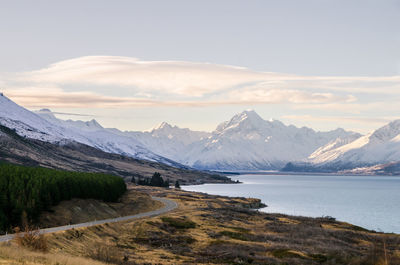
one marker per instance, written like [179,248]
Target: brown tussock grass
[12,254]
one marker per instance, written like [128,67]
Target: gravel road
[169,205]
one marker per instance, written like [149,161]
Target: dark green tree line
[156,180]
[33,190]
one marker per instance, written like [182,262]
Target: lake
[372,202]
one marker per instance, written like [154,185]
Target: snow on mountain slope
[377,147]
[27,123]
[46,127]
[108,140]
[92,125]
[335,144]
[248,142]
[169,141]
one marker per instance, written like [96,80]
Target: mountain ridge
[380,146]
[202,150]
[244,142]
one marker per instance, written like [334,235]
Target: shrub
[106,253]
[178,223]
[31,238]
[234,235]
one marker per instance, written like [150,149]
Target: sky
[134,64]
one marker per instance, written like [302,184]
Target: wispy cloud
[109,81]
[64,113]
[336,119]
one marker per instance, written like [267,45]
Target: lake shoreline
[359,209]
[239,173]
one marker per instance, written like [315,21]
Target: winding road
[169,205]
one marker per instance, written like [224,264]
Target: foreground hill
[75,156]
[209,229]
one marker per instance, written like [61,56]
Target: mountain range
[245,142]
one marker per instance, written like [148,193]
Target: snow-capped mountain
[48,115]
[378,147]
[169,141]
[44,126]
[247,142]
[27,123]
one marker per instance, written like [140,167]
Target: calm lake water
[372,202]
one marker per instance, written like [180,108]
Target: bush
[106,253]
[178,223]
[234,235]
[31,238]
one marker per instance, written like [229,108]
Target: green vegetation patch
[234,235]
[27,191]
[178,223]
[359,228]
[239,229]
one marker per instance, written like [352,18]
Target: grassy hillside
[210,229]
[76,211]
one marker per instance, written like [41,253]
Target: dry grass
[219,230]
[31,238]
[79,211]
[13,255]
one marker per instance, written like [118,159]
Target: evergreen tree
[157,180]
[133,179]
[166,183]
[32,190]
[177,185]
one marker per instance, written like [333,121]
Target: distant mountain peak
[247,115]
[46,113]
[250,114]
[248,119]
[388,131]
[162,126]
[94,124]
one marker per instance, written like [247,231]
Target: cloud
[56,98]
[339,119]
[111,81]
[64,113]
